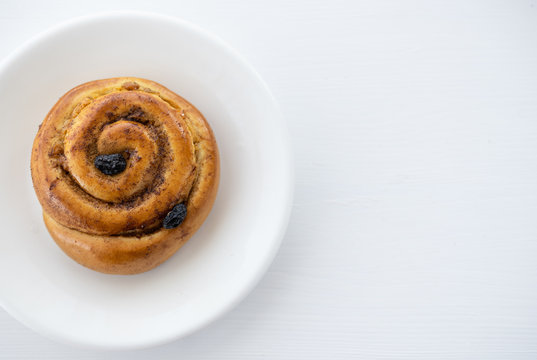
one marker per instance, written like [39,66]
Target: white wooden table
[414,227]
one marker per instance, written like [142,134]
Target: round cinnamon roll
[126,171]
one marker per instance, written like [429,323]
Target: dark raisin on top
[110,164]
[175,217]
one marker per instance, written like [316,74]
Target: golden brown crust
[113,224]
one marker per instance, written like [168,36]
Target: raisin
[110,164]
[175,217]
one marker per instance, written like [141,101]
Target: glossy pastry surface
[111,161]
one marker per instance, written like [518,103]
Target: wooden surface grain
[414,126]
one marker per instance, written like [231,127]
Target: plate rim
[287,170]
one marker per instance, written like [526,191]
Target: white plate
[53,295]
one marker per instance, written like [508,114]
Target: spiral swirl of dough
[113,223]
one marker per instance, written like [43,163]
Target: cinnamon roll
[126,172]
